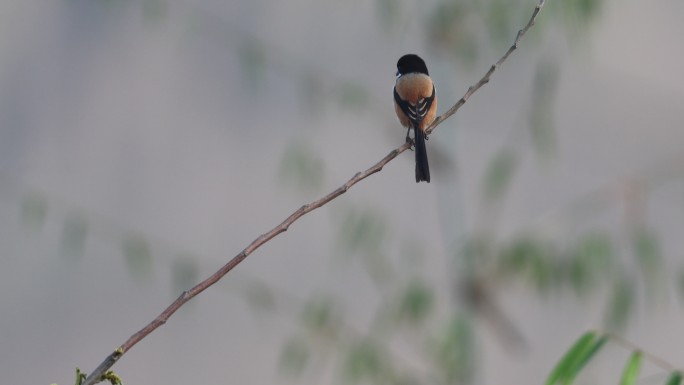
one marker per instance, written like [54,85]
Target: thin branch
[97,374]
[657,361]
[485,78]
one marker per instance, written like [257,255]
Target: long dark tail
[422,167]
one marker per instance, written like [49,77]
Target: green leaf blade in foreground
[575,358]
[562,367]
[675,379]
[583,358]
[631,372]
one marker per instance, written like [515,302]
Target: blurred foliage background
[144,143]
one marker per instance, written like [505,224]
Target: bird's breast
[413,87]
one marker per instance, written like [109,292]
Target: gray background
[150,121]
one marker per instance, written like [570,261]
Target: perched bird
[416,106]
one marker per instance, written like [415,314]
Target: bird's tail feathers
[422,167]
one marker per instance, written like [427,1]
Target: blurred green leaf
[631,372]
[320,315]
[379,268]
[311,97]
[138,255]
[450,31]
[387,12]
[155,11]
[499,175]
[353,96]
[620,304]
[454,352]
[403,378]
[541,118]
[596,251]
[109,3]
[362,231]
[545,84]
[529,258]
[34,211]
[647,249]
[363,362]
[253,61]
[577,15]
[579,277]
[499,14]
[583,11]
[74,234]
[680,283]
[675,378]
[184,274]
[361,234]
[259,296]
[302,168]
[476,251]
[543,132]
[572,362]
[591,261]
[588,8]
[416,303]
[294,357]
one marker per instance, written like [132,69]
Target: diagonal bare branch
[97,375]
[485,79]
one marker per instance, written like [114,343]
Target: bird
[415,104]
